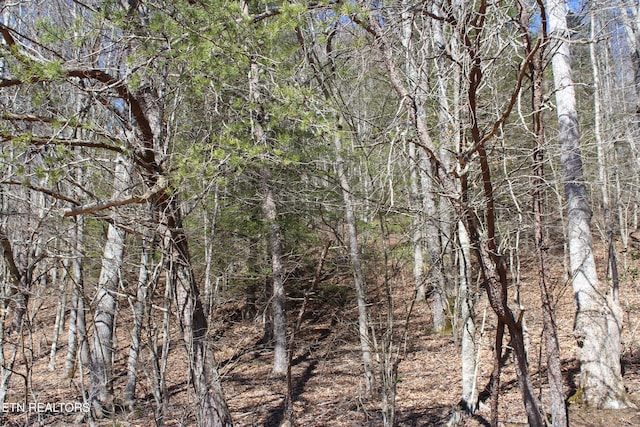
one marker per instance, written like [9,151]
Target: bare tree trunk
[18,279]
[211,406]
[210,296]
[358,274]
[58,326]
[104,314]
[434,248]
[602,149]
[491,263]
[269,208]
[630,16]
[159,353]
[77,333]
[352,231]
[280,358]
[6,364]
[21,264]
[496,373]
[422,185]
[317,277]
[416,224]
[8,276]
[386,351]
[598,317]
[212,410]
[139,307]
[449,133]
[417,203]
[467,315]
[552,347]
[278,319]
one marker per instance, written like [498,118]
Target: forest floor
[328,385]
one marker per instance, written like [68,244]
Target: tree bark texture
[425,233]
[434,247]
[212,410]
[417,223]
[598,317]
[278,302]
[105,306]
[467,316]
[140,306]
[77,333]
[61,280]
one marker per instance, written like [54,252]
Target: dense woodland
[191,186]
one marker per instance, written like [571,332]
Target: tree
[356,264]
[270,211]
[598,317]
[142,111]
[427,220]
[104,314]
[552,347]
[485,246]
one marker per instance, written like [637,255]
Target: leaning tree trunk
[211,406]
[598,317]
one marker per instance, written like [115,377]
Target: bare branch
[274,11]
[70,142]
[6,35]
[123,92]
[7,252]
[46,191]
[111,82]
[10,82]
[512,101]
[25,118]
[161,185]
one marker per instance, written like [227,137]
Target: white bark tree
[467,316]
[105,309]
[426,234]
[598,317]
